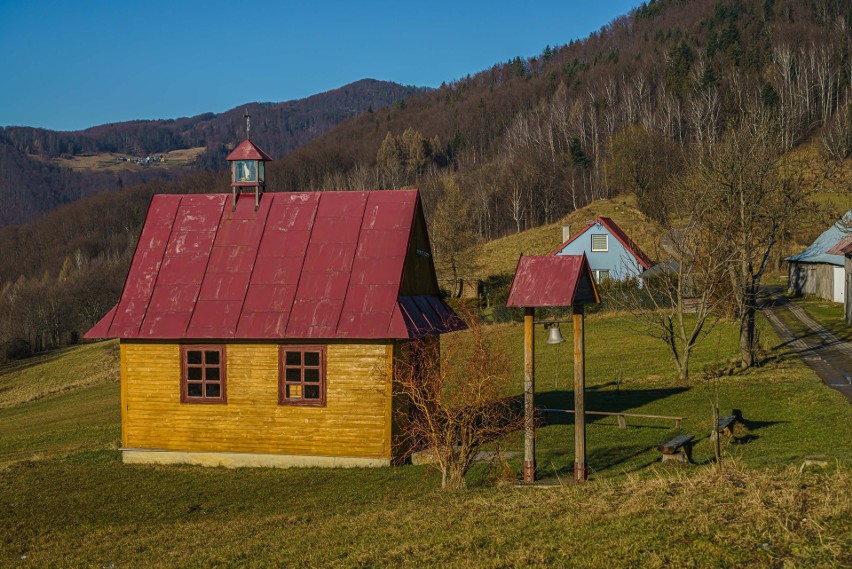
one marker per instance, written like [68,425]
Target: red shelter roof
[631,246]
[304,265]
[563,280]
[248,150]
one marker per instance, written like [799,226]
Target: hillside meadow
[67,501]
[500,256]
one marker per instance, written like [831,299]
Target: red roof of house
[622,237]
[304,265]
[843,246]
[248,150]
[562,280]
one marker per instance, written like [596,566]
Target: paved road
[829,356]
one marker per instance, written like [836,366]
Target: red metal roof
[248,150]
[843,246]
[622,237]
[304,265]
[562,280]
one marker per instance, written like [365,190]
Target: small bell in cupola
[247,167]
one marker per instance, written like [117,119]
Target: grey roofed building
[819,269]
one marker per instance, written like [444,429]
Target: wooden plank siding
[354,423]
[812,279]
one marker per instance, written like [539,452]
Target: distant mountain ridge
[516,146]
[36,186]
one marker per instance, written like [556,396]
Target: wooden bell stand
[564,280]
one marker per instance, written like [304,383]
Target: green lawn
[59,403]
[66,500]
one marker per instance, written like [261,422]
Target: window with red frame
[302,375]
[202,378]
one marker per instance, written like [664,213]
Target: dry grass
[134,516]
[828,184]
[182,157]
[501,255]
[825,178]
[58,371]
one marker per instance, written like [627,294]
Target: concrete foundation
[244,459]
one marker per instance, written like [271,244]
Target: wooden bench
[728,423]
[620,417]
[679,448]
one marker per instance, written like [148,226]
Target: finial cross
[248,124]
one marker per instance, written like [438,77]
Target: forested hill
[512,147]
[31,181]
[29,186]
[530,139]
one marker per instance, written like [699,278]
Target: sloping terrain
[61,479]
[58,403]
[500,256]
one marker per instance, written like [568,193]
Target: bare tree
[837,136]
[641,161]
[680,301]
[458,403]
[754,196]
[516,204]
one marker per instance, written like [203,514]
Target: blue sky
[71,65]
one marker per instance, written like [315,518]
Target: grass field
[67,501]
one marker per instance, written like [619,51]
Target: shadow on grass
[605,458]
[818,310]
[753,425]
[841,332]
[597,460]
[622,401]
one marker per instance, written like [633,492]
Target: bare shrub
[457,399]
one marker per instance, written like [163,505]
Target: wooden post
[529,396]
[580,471]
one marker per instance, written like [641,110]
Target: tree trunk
[717,448]
[747,322]
[683,365]
[452,477]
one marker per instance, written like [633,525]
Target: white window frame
[599,273]
[606,243]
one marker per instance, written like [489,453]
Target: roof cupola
[247,167]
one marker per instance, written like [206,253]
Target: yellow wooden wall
[356,421]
